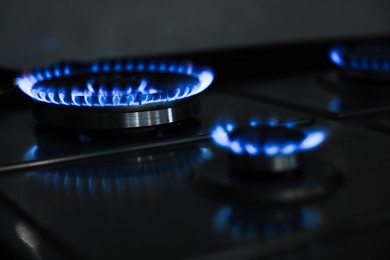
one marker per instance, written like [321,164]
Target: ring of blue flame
[221,131]
[133,95]
[340,56]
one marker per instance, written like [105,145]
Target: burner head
[280,144]
[260,150]
[263,166]
[363,63]
[115,94]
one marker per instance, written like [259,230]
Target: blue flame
[221,131]
[86,95]
[312,140]
[336,56]
[365,57]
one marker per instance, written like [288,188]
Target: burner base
[116,117]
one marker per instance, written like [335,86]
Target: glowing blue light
[95,67]
[152,66]
[288,149]
[271,150]
[272,122]
[312,140]
[51,97]
[336,56]
[152,90]
[254,122]
[87,95]
[129,65]
[106,67]
[230,127]
[220,136]
[290,124]
[162,67]
[57,72]
[48,73]
[118,66]
[360,57]
[66,70]
[251,149]
[236,148]
[39,76]
[140,66]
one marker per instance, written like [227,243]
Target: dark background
[34,33]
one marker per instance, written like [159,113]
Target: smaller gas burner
[267,163]
[115,94]
[265,149]
[361,65]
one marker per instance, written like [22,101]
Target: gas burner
[267,163]
[265,148]
[363,63]
[362,75]
[115,94]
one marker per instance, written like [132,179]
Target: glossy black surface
[313,93]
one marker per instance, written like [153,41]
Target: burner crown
[268,140]
[114,83]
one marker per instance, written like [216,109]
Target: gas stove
[269,151]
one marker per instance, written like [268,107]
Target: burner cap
[115,93]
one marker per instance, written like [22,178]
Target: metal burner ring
[116,117]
